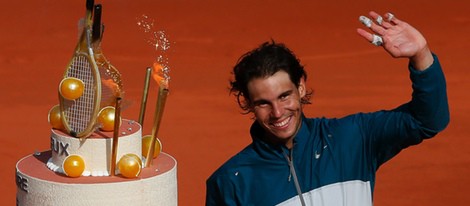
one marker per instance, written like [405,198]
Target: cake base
[37,185]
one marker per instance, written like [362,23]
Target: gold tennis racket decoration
[79,112]
[111,84]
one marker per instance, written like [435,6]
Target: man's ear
[302,88]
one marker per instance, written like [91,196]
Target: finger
[377,40]
[371,25]
[372,38]
[392,18]
[366,35]
[386,24]
[378,19]
[366,21]
[378,29]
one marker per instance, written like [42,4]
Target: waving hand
[398,38]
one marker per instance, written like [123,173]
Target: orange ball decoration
[71,88]
[73,166]
[146,140]
[130,166]
[106,118]
[54,118]
[136,157]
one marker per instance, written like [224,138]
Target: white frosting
[95,151]
[86,173]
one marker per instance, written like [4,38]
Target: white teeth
[281,124]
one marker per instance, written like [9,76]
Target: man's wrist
[422,60]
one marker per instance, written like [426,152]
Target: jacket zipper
[294,175]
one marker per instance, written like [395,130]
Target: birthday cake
[95,156]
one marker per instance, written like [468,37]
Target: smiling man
[295,160]
[276,106]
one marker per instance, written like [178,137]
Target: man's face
[275,102]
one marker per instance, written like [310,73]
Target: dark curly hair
[264,61]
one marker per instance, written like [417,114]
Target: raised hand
[398,38]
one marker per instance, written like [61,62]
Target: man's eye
[261,104]
[284,97]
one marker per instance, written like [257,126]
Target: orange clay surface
[202,126]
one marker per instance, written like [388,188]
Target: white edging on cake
[154,190]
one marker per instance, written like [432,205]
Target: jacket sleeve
[218,193]
[213,196]
[429,103]
[388,132]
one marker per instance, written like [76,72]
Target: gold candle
[162,94]
[117,118]
[162,78]
[143,103]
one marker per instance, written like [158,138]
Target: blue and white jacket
[335,160]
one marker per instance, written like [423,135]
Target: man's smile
[282,124]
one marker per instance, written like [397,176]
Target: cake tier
[96,149]
[37,185]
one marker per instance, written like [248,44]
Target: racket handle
[89,5]
[96,35]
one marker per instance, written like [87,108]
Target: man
[295,160]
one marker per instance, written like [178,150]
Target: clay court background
[202,125]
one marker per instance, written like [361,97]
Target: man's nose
[277,110]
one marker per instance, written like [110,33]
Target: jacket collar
[270,151]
